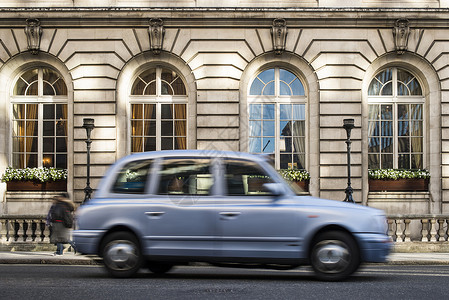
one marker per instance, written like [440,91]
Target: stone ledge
[420,247]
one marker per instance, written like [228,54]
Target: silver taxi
[161,209]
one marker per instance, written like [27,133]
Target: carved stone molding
[157,32]
[33,32]
[401,32]
[279,35]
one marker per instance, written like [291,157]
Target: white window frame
[40,100]
[278,99]
[157,99]
[394,100]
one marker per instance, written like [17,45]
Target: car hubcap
[331,256]
[121,255]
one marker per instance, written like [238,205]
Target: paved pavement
[69,258]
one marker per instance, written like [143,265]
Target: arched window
[396,121]
[158,105]
[277,123]
[39,120]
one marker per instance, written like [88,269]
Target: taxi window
[245,178]
[132,178]
[185,176]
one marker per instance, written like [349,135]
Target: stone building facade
[240,76]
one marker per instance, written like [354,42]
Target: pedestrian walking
[60,220]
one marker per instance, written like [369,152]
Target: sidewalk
[47,257]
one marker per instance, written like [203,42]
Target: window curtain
[137,139]
[180,125]
[31,114]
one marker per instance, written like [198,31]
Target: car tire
[121,254]
[334,256]
[159,267]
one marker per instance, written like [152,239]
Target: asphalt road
[92,283]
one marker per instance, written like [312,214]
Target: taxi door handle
[229,214]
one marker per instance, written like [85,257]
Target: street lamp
[88,124]
[348,124]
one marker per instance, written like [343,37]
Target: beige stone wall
[101,51]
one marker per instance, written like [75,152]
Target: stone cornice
[192,17]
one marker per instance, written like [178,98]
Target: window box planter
[27,185]
[398,180]
[35,179]
[399,185]
[297,176]
[303,184]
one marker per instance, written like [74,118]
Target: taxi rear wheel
[334,256]
[121,254]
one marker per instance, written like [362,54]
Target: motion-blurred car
[161,209]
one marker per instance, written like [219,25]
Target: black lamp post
[348,124]
[88,124]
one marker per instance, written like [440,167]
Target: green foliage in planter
[41,174]
[394,174]
[294,174]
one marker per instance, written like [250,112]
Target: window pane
[136,111]
[374,112]
[150,111]
[167,143]
[387,112]
[150,128]
[18,144]
[166,89]
[167,128]
[47,160]
[268,111]
[185,177]
[416,144]
[269,89]
[49,144]
[387,161]
[18,160]
[180,143]
[61,128]
[286,161]
[387,128]
[61,144]
[31,128]
[297,88]
[48,89]
[404,161]
[31,160]
[299,128]
[403,145]
[18,128]
[387,90]
[256,87]
[299,161]
[373,128]
[267,76]
[136,128]
[387,145]
[25,81]
[180,128]
[268,128]
[255,145]
[268,145]
[374,145]
[373,161]
[167,111]
[61,161]
[299,145]
[403,113]
[245,178]
[286,129]
[19,111]
[49,128]
[255,128]
[136,144]
[416,161]
[150,144]
[299,111]
[132,178]
[255,111]
[31,111]
[416,111]
[286,111]
[285,89]
[49,111]
[403,128]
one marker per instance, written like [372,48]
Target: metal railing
[426,228]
